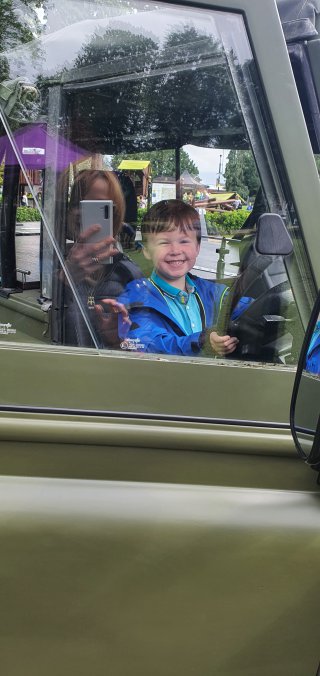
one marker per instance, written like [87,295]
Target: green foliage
[241,174]
[162,162]
[145,112]
[13,28]
[226,222]
[18,24]
[114,44]
[27,214]
[126,105]
[141,261]
[141,213]
[196,98]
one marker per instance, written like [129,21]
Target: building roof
[134,164]
[221,196]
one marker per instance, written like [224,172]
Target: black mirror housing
[272,237]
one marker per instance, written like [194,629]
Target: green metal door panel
[77,379]
[29,323]
[164,580]
[250,463]
[74,379]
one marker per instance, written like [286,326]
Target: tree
[195,103]
[121,112]
[162,162]
[19,24]
[155,96]
[241,173]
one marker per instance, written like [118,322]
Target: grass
[139,259]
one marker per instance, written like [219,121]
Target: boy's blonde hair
[169,215]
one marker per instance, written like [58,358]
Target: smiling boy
[172,311]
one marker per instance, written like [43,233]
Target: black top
[113,282]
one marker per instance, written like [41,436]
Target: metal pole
[222,251]
[7,228]
[178,173]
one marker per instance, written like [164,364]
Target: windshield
[101,87]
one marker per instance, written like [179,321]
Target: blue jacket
[313,356]
[153,327]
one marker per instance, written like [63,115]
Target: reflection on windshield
[97,268]
[116,93]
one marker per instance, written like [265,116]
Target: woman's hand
[108,321]
[222,345]
[85,258]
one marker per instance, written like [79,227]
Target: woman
[97,282]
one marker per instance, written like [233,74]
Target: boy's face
[173,254]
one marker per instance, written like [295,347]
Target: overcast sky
[207,161]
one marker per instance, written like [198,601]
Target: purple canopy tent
[40,149]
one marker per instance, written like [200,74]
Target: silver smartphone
[97,212]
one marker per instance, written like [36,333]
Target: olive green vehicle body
[154,515]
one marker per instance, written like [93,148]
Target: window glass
[137,157]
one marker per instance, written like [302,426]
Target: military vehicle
[155,515]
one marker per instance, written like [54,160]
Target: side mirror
[305,403]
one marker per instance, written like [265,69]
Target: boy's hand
[114,307]
[108,321]
[222,345]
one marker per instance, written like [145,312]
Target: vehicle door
[155,501]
